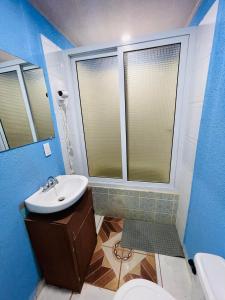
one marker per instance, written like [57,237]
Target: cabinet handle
[73,236]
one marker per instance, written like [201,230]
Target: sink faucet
[51,182]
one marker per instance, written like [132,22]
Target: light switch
[47,149]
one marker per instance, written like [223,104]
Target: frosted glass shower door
[151,76]
[99,97]
[128,107]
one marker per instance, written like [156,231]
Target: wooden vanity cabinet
[64,242]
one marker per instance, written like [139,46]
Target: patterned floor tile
[119,221]
[110,232]
[104,269]
[111,265]
[138,266]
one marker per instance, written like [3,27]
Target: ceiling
[87,22]
[6,57]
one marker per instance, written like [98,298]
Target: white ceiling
[6,56]
[87,22]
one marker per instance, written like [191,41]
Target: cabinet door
[85,243]
[53,251]
[80,212]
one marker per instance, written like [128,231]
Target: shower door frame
[185,37]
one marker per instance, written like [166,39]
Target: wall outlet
[47,149]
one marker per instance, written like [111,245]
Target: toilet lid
[142,289]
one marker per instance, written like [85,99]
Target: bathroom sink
[65,193]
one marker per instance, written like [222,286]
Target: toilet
[143,290]
[211,276]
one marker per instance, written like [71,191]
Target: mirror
[25,115]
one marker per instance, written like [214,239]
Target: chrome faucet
[51,182]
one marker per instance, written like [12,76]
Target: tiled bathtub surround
[149,206]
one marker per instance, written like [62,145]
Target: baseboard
[197,292]
[37,290]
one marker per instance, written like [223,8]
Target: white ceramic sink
[64,194]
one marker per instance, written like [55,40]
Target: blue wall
[205,229]
[23,170]
[201,12]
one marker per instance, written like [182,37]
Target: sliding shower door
[150,88]
[99,96]
[130,104]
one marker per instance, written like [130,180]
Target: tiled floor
[108,269]
[98,222]
[172,273]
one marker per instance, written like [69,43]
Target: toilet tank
[211,273]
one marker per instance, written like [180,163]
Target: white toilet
[211,275]
[141,289]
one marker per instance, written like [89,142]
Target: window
[128,109]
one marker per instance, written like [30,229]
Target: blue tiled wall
[25,169]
